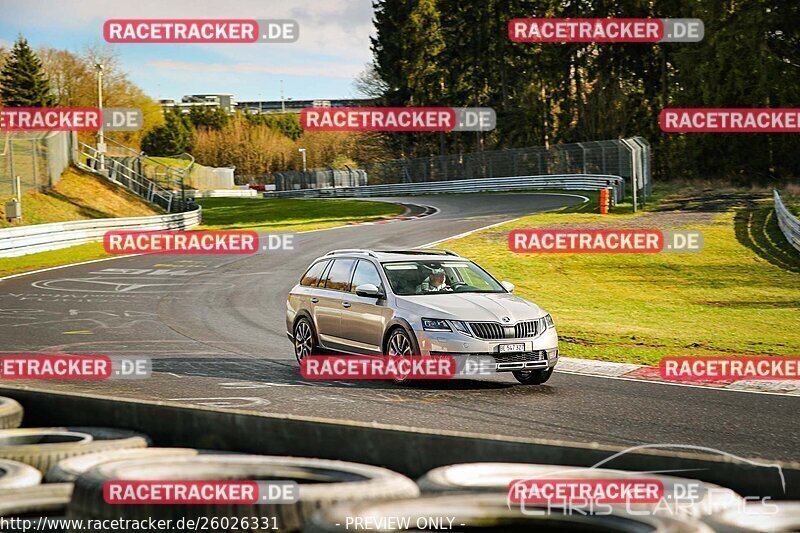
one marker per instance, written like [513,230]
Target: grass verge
[739,296]
[289,214]
[79,196]
[66,256]
[231,213]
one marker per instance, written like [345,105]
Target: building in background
[229,104]
[222,101]
[295,106]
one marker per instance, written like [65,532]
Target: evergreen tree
[172,138]
[215,118]
[22,80]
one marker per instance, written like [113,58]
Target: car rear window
[311,278]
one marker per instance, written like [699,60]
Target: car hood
[491,307]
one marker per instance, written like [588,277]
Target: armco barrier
[411,452]
[789,224]
[25,240]
[222,193]
[578,182]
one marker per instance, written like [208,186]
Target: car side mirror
[368,290]
[507,285]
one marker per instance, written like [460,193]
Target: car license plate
[504,348]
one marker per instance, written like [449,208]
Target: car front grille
[538,355]
[518,357]
[494,330]
[531,328]
[487,330]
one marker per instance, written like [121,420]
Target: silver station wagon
[418,302]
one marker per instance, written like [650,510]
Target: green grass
[289,214]
[79,196]
[75,254]
[231,213]
[171,161]
[739,296]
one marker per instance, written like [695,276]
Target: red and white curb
[427,211]
[607,369]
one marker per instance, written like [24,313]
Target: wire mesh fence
[203,177]
[37,158]
[319,179]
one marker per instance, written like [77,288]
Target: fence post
[11,158]
[634,172]
[35,162]
[583,157]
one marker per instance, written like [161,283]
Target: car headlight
[435,324]
[461,327]
[548,320]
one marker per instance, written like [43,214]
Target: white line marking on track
[470,232]
[784,394]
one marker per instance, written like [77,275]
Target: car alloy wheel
[399,344]
[304,342]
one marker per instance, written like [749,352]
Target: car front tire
[305,339]
[399,344]
[533,377]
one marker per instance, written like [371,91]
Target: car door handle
[314,300]
[346,304]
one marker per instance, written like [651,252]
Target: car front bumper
[539,353]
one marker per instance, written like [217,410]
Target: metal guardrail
[25,240]
[566,182]
[222,193]
[789,224]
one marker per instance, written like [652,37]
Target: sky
[332,49]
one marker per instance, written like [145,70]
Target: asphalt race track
[214,326]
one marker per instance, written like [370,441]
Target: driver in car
[435,282]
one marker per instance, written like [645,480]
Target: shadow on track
[268,371]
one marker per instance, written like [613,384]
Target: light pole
[303,151]
[101,144]
[283,106]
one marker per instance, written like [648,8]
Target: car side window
[312,276]
[339,275]
[365,273]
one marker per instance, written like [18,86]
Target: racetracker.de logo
[398,119]
[570,491]
[604,30]
[230,31]
[732,120]
[73,367]
[181,242]
[729,368]
[620,241]
[70,119]
[354,367]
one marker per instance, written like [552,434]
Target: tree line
[50,77]
[452,53]
[255,144]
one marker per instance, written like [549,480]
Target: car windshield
[435,277]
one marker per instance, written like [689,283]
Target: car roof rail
[422,251]
[351,251]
